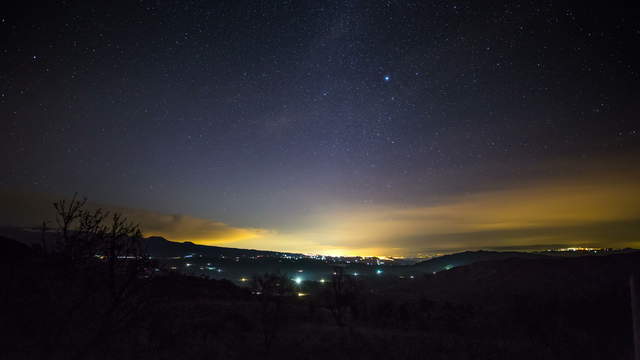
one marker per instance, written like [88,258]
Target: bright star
[387,78]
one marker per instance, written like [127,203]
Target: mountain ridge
[158,246]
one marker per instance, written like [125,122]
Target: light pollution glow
[588,211]
[600,213]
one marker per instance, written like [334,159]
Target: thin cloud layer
[178,227]
[599,213]
[587,210]
[30,209]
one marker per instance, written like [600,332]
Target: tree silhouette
[97,265]
[272,290]
[342,296]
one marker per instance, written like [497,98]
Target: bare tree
[98,265]
[342,296]
[272,290]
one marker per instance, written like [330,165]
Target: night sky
[334,127]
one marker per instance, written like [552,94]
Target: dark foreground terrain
[54,307]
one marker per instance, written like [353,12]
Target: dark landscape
[171,302]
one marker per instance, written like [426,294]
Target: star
[387,78]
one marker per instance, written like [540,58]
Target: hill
[160,247]
[545,305]
[156,246]
[13,250]
[451,261]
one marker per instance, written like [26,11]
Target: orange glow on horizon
[590,212]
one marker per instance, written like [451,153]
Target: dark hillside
[568,306]
[531,307]
[447,262]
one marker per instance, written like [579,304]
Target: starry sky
[395,128]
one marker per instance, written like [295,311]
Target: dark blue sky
[285,116]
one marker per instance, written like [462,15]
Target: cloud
[179,227]
[600,212]
[30,209]
[594,208]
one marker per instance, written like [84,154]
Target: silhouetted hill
[29,236]
[541,277]
[160,247]
[447,262]
[156,246]
[13,250]
[544,303]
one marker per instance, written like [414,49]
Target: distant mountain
[157,246]
[14,250]
[545,278]
[448,262]
[28,236]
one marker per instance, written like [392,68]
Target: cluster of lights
[579,249]
[298,280]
